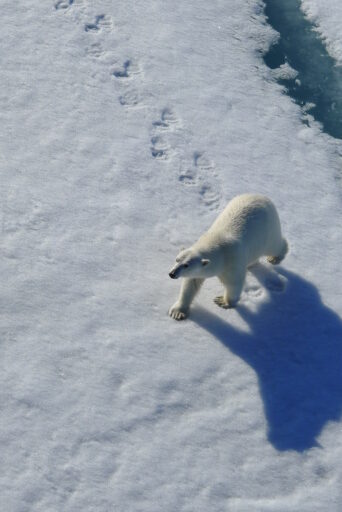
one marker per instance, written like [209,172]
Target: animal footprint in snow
[254,291]
[202,163]
[129,98]
[210,197]
[203,169]
[127,70]
[207,192]
[275,283]
[63,4]
[159,147]
[269,278]
[167,120]
[101,21]
[187,178]
[95,50]
[160,144]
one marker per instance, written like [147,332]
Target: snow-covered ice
[327,17]
[126,127]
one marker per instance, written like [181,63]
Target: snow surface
[327,16]
[126,127]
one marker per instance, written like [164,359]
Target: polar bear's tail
[275,260]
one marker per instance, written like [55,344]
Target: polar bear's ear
[204,262]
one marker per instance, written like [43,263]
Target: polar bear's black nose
[172,275]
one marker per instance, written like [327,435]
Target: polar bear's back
[252,220]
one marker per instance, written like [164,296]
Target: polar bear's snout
[174,272]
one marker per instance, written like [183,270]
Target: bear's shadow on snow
[295,347]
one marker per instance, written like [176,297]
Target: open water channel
[317,87]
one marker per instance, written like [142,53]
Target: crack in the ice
[317,85]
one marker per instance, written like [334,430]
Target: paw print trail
[161,133]
[201,173]
[127,76]
[206,173]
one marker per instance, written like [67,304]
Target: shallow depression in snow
[316,84]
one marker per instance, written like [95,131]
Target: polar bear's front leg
[232,289]
[189,288]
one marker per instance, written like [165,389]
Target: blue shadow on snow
[295,347]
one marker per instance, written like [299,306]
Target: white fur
[247,229]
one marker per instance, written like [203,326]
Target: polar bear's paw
[221,301]
[275,260]
[178,313]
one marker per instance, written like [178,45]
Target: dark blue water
[319,79]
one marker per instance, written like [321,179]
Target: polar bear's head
[189,263]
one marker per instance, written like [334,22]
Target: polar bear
[248,228]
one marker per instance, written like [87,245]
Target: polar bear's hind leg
[275,260]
